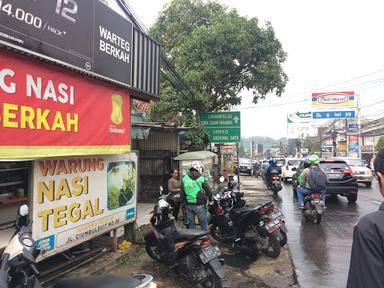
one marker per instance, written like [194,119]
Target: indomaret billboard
[333,99]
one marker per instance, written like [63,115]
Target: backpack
[317,179]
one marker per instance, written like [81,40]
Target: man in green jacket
[195,191]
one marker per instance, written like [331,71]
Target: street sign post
[222,127]
[334,114]
[353,127]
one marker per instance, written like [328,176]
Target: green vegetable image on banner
[121,183]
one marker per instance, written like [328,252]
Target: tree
[219,54]
[380,143]
[312,144]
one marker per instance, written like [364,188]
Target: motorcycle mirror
[294,169]
[235,178]
[221,179]
[161,190]
[23,210]
[22,217]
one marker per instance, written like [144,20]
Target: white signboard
[227,150]
[299,117]
[301,130]
[78,198]
[300,125]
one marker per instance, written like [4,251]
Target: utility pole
[359,123]
[334,136]
[321,144]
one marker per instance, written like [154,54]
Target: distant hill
[266,141]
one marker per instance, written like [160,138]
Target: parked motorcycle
[187,251]
[18,265]
[248,227]
[278,218]
[313,207]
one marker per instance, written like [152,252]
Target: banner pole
[238,162]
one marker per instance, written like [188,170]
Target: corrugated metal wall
[156,156]
[163,139]
[145,63]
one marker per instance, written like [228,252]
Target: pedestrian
[174,188]
[366,268]
[195,192]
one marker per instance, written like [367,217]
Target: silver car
[362,173]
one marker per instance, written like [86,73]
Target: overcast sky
[332,45]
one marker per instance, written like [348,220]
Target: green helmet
[313,160]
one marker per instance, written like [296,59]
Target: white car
[289,168]
[362,173]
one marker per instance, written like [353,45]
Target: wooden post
[114,240]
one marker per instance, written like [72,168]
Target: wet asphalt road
[321,253]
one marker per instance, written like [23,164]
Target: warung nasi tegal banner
[46,111]
[78,198]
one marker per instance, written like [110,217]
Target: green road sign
[222,127]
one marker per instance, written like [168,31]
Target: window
[293,162]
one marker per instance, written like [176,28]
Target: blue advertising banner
[334,114]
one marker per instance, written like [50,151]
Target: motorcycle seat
[181,234]
[245,209]
[248,208]
[109,281]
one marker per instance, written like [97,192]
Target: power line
[178,83]
[277,103]
[373,104]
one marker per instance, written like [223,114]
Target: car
[246,166]
[280,162]
[362,172]
[289,169]
[341,179]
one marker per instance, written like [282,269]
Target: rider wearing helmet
[304,188]
[195,191]
[272,168]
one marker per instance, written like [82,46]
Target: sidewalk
[240,270]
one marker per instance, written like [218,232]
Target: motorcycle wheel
[283,241]
[213,281]
[275,192]
[151,248]
[317,219]
[274,248]
[215,233]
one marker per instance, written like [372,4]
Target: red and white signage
[48,111]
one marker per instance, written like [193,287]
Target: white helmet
[197,166]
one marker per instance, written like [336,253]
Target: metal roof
[196,155]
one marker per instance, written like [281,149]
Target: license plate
[276,215]
[273,226]
[334,175]
[316,202]
[209,253]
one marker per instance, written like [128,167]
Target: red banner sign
[48,111]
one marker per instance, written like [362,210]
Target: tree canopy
[380,144]
[218,53]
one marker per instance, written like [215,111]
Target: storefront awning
[196,155]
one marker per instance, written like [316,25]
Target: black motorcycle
[186,251]
[313,207]
[18,265]
[246,226]
[274,182]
